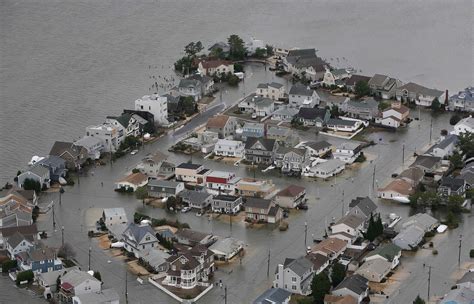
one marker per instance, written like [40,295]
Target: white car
[254,116]
[134,152]
[185,209]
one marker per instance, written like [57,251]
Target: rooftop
[292,191]
[355,283]
[134,178]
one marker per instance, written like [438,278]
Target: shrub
[435,252]
[8,265]
[97,276]
[25,276]
[454,119]
[471,253]
[135,170]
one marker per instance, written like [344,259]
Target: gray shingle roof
[299,89]
[312,113]
[358,284]
[267,143]
[453,183]
[273,296]
[365,204]
[39,170]
[299,266]
[318,145]
[76,277]
[340,122]
[368,103]
[419,89]
[259,203]
[138,231]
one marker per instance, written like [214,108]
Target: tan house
[255,187]
[396,189]
[191,173]
[291,196]
[223,125]
[330,247]
[132,182]
[215,67]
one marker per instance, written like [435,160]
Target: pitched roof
[330,165]
[156,157]
[113,212]
[103,297]
[76,277]
[332,299]
[163,183]
[330,245]
[463,295]
[226,245]
[192,235]
[351,220]
[24,230]
[365,204]
[356,283]
[214,63]
[378,266]
[194,196]
[378,80]
[299,89]
[368,103]
[218,121]
[421,220]
[388,251]
[138,232]
[284,150]
[311,113]
[452,183]
[468,277]
[291,191]
[400,186]
[267,143]
[419,89]
[189,83]
[259,203]
[299,266]
[189,166]
[302,52]
[17,238]
[354,79]
[272,85]
[317,259]
[414,174]
[341,122]
[60,147]
[318,145]
[134,178]
[273,296]
[38,170]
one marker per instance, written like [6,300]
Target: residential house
[15,212]
[284,113]
[302,96]
[93,145]
[56,166]
[18,243]
[77,282]
[348,152]
[318,148]
[106,296]
[396,189]
[320,262]
[221,181]
[350,224]
[354,285]
[215,67]
[331,248]
[190,87]
[423,221]
[375,270]
[226,204]
[156,258]
[313,116]
[260,150]
[37,173]
[388,252]
[156,105]
[462,101]
[110,136]
[190,237]
[283,135]
[412,175]
[329,168]
[467,280]
[452,186]
[463,295]
[225,249]
[196,199]
[191,173]
[30,232]
[295,276]
[445,147]
[39,260]
[132,124]
[223,125]
[409,238]
[164,188]
[274,296]
[229,148]
[114,216]
[304,62]
[331,101]
[465,125]
[274,90]
[290,159]
[75,156]
[367,108]
[343,125]
[49,280]
[258,105]
[291,197]
[252,129]
[428,163]
[251,187]
[262,210]
[253,45]
[332,299]
[155,165]
[205,141]
[221,47]
[189,269]
[384,86]
[138,238]
[132,182]
[353,80]
[207,83]
[336,77]
[362,206]
[393,116]
[420,95]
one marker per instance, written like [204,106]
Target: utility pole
[459,253]
[305,234]
[342,215]
[62,236]
[429,282]
[90,257]
[126,286]
[403,154]
[373,177]
[54,220]
[225,294]
[431,128]
[268,263]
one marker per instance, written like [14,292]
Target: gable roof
[138,232]
[38,170]
[332,299]
[330,245]
[302,52]
[259,203]
[272,85]
[468,277]
[378,80]
[299,266]
[400,186]
[105,296]
[194,196]
[189,83]
[217,122]
[312,113]
[341,122]
[389,251]
[368,103]
[291,191]
[24,230]
[356,283]
[76,277]
[113,212]
[267,143]
[452,183]
[60,147]
[421,220]
[134,178]
[351,220]
[17,238]
[318,145]
[419,89]
[365,204]
[354,79]
[192,235]
[214,63]
[377,266]
[317,259]
[273,296]
[189,166]
[299,89]
[162,183]
[284,150]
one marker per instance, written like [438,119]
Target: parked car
[134,152]
[185,209]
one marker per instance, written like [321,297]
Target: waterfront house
[445,147]
[284,113]
[205,141]
[331,101]
[255,187]
[279,133]
[393,116]
[156,105]
[295,276]
[253,45]
[226,204]
[313,116]
[331,248]
[110,136]
[388,252]
[290,159]
[304,62]
[355,286]
[462,101]
[343,125]
[49,280]
[258,105]
[133,124]
[17,243]
[302,96]
[155,165]
[76,282]
[367,108]
[229,148]
[350,224]
[260,150]
[222,47]
[420,95]
[291,197]
[253,129]
[191,238]
[132,182]
[56,166]
[352,81]
[164,188]
[348,152]
[215,67]
[225,249]
[274,296]
[428,163]
[93,146]
[37,173]
[317,148]
[465,125]
[190,268]
[39,260]
[196,199]
[274,90]
[105,296]
[14,213]
[138,238]
[423,221]
[462,295]
[320,262]
[384,86]
[223,125]
[114,216]
[190,87]
[207,83]
[362,206]
[409,238]
[326,169]
[191,173]
[335,77]
[375,270]
[262,210]
[30,232]
[221,181]
[396,189]
[75,156]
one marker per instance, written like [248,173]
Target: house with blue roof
[462,101]
[138,238]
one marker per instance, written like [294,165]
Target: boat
[117,245]
[35,159]
[401,199]
[441,228]
[62,181]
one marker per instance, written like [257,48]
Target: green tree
[320,286]
[455,203]
[185,65]
[260,53]
[451,220]
[466,144]
[237,47]
[188,105]
[454,119]
[9,264]
[338,274]
[141,193]
[456,160]
[35,214]
[193,48]
[238,67]
[217,53]
[334,111]
[419,300]
[25,276]
[97,276]
[435,105]
[362,88]
[375,228]
[269,50]
[31,184]
[233,80]
[171,203]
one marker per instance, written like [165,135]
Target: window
[293,287]
[293,279]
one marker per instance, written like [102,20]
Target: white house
[445,147]
[106,296]
[132,181]
[355,286]
[156,105]
[335,77]
[284,114]
[114,216]
[215,67]
[343,125]
[261,106]
[388,252]
[329,168]
[293,275]
[317,148]
[274,90]
[393,116]
[190,87]
[77,282]
[462,101]
[347,152]
[18,243]
[110,136]
[253,45]
[139,238]
[38,173]
[303,96]
[229,148]
[191,173]
[465,125]
[131,123]
[350,224]
[225,249]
